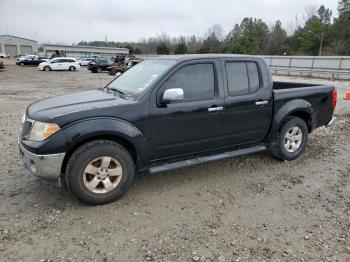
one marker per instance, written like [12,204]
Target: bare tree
[339,47]
[217,31]
[309,12]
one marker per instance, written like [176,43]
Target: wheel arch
[297,108]
[111,137]
[111,129]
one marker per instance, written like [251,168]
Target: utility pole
[320,37]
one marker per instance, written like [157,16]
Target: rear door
[248,105]
[191,125]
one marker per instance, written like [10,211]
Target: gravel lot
[252,208]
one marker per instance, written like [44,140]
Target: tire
[21,64]
[99,70]
[47,68]
[104,186]
[290,140]
[72,68]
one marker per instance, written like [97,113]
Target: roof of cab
[198,56]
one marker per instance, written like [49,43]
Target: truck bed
[319,98]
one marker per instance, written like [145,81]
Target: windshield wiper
[117,91]
[121,93]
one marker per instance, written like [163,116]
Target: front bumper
[44,166]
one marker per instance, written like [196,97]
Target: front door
[191,125]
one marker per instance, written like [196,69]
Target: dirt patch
[251,208]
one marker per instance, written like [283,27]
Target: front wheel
[72,68]
[99,70]
[291,139]
[47,68]
[99,172]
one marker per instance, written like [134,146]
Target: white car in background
[60,63]
[86,61]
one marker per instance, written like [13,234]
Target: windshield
[138,78]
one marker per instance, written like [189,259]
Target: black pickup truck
[165,113]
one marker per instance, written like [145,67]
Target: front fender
[86,129]
[296,106]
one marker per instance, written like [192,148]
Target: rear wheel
[99,172]
[47,68]
[291,139]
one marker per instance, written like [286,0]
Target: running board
[205,159]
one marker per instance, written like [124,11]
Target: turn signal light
[50,130]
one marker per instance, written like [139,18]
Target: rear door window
[237,78]
[242,78]
[254,79]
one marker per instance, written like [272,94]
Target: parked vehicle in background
[60,63]
[167,113]
[86,61]
[3,55]
[100,65]
[24,57]
[31,60]
[2,66]
[120,69]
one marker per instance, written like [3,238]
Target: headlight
[41,131]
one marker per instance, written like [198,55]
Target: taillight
[334,98]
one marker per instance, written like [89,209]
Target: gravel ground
[251,208]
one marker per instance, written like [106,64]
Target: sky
[69,21]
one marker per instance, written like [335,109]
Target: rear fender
[295,107]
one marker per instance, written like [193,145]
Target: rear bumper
[330,122]
[43,166]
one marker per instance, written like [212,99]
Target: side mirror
[173,95]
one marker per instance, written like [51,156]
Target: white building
[83,51]
[15,46]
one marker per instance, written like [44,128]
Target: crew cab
[169,112]
[60,63]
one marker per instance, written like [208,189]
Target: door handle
[261,103]
[215,109]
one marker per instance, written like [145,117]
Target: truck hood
[67,108]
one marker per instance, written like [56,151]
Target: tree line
[316,32]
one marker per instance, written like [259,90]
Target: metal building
[15,46]
[83,51]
